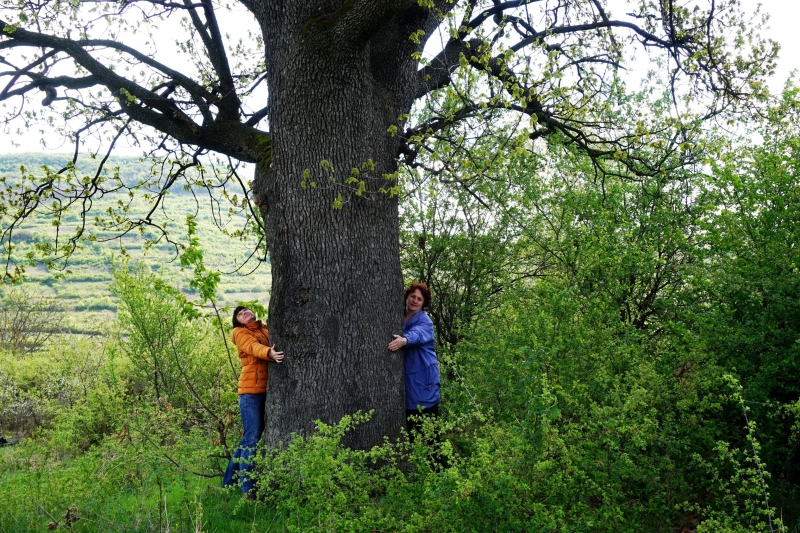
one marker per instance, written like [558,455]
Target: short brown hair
[426,293]
[235,320]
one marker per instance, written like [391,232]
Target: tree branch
[437,73]
[229,104]
[226,136]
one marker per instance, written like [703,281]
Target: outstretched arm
[419,333]
[250,345]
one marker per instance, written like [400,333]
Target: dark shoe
[250,496]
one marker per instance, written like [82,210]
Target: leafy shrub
[316,484]
[27,320]
[21,411]
[54,384]
[182,374]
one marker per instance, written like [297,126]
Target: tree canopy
[106,69]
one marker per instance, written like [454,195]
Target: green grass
[116,489]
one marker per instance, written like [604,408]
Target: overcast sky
[784,23]
[784,27]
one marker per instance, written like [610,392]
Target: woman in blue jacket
[421,366]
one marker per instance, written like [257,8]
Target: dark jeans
[414,419]
[252,407]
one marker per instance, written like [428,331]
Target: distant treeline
[132,169]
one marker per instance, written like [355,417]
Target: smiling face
[245,316]
[414,302]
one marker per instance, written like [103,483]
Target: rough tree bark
[337,81]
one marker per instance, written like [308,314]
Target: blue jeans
[252,407]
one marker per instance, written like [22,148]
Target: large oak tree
[343,78]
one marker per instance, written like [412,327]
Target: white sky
[784,27]
[784,23]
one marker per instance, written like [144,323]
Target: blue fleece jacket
[421,366]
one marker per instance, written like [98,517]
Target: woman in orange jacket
[251,338]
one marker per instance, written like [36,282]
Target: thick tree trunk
[337,286]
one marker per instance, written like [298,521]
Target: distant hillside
[84,291]
[131,169]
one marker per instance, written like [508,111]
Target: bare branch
[229,104]
[145,106]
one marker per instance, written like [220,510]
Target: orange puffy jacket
[252,340]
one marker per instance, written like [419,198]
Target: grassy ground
[114,489]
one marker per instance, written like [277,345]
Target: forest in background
[619,353]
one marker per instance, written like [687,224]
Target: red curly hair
[423,289]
